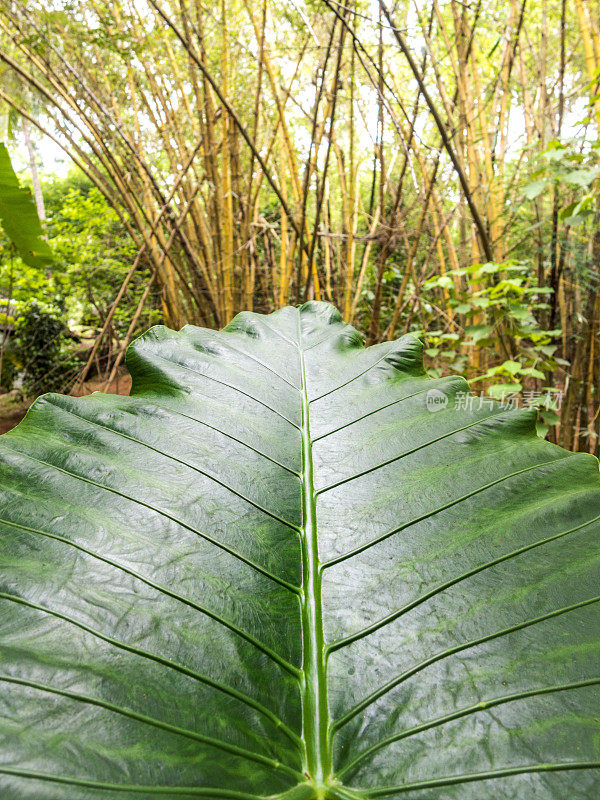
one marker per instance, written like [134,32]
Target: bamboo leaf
[582,177]
[533,190]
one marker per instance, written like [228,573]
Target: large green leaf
[19,216]
[290,566]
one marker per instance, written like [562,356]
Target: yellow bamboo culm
[591,47]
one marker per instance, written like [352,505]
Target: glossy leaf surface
[291,566]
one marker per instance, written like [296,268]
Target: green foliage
[19,280]
[40,350]
[572,167]
[92,255]
[500,304]
[290,567]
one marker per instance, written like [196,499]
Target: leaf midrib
[315,712]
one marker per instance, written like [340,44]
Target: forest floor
[13,406]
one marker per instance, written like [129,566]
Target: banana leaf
[289,566]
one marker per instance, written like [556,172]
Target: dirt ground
[13,406]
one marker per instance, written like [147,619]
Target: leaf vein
[356,377]
[208,475]
[162,513]
[219,744]
[464,712]
[484,776]
[261,363]
[168,593]
[389,461]
[390,685]
[369,414]
[224,433]
[452,582]
[383,537]
[228,385]
[226,794]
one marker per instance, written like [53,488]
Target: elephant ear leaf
[19,217]
[291,567]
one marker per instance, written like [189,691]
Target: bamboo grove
[367,154]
